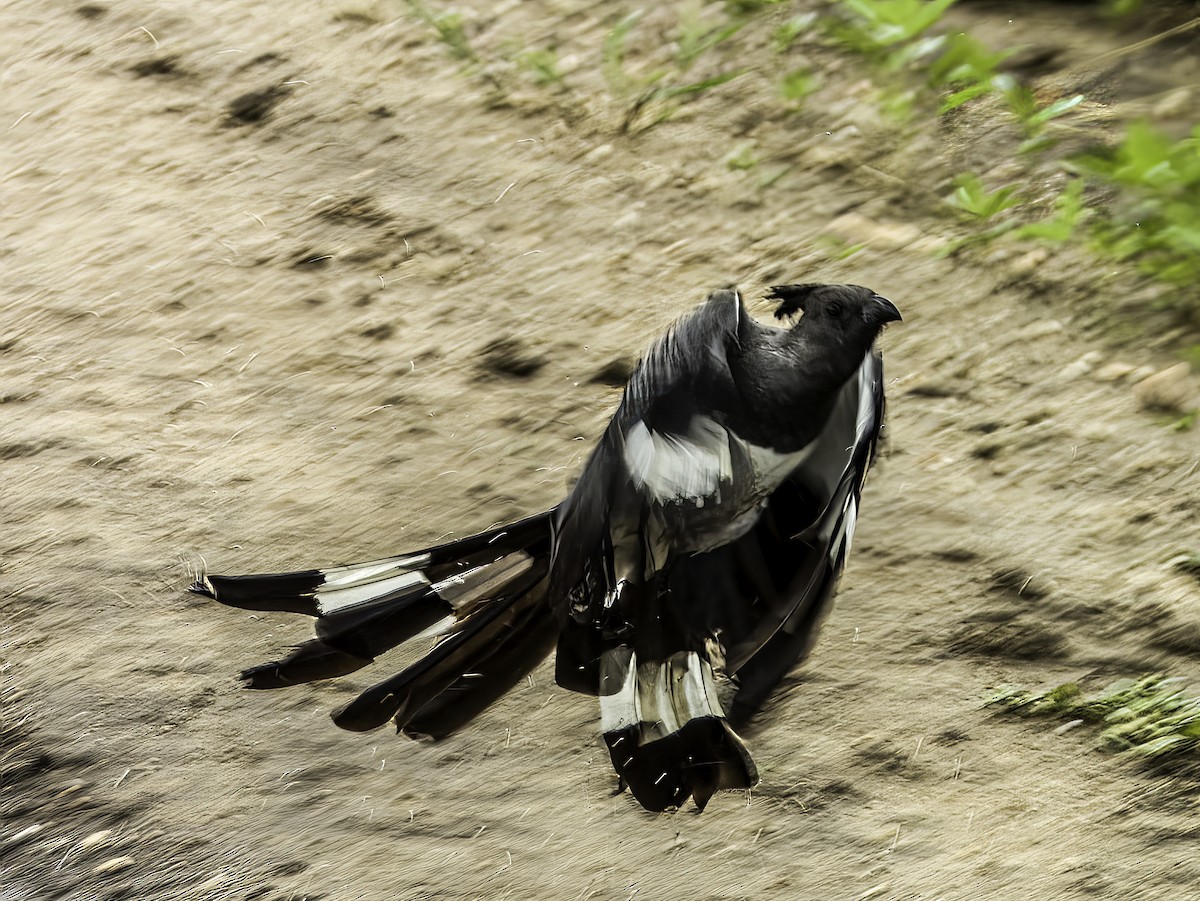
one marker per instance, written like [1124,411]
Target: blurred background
[292,285]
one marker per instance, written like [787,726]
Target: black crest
[792,298]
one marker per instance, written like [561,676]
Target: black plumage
[687,571]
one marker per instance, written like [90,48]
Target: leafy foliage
[449,28]
[787,33]
[1033,117]
[882,24]
[1156,217]
[973,198]
[658,88]
[1149,717]
[541,64]
[1069,211]
[966,67]
[796,86]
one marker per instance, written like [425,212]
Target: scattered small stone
[627,220]
[988,450]
[1112,372]
[1030,262]
[113,865]
[27,832]
[598,153]
[1186,563]
[1040,329]
[1170,390]
[96,838]
[834,150]
[1140,374]
[1175,104]
[1082,366]
[855,228]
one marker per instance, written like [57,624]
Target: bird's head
[851,312]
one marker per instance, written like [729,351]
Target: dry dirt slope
[389,307]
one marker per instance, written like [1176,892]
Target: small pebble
[113,865]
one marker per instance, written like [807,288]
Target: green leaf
[1068,211]
[973,198]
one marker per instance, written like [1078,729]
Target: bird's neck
[822,359]
[787,385]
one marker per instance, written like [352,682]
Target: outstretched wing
[660,443]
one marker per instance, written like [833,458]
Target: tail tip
[203,586]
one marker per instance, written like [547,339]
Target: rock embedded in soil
[1113,372]
[855,228]
[1170,390]
[1080,367]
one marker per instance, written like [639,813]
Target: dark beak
[880,310]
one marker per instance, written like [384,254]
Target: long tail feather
[402,696]
[665,731]
[484,595]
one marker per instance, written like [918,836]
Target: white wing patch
[337,599]
[679,467]
[358,573]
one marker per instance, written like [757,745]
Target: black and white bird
[686,573]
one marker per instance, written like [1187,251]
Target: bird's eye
[834,309]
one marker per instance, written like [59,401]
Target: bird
[688,570]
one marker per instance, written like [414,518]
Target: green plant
[1185,422]
[973,198]
[743,158]
[1188,563]
[657,88]
[796,86]
[541,64]
[787,33]
[836,248]
[1121,7]
[1062,225]
[748,7]
[1031,116]
[880,25]
[1149,717]
[1155,219]
[449,28]
[696,36]
[612,55]
[966,68]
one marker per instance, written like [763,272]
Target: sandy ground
[384,300]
